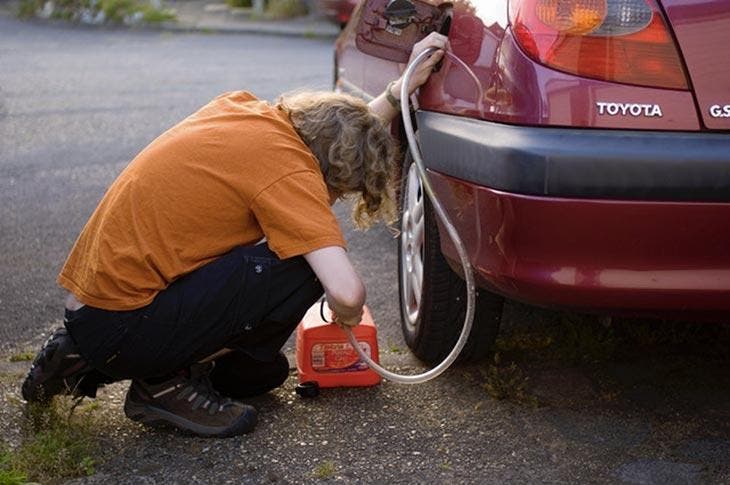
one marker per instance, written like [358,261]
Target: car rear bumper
[600,253]
[627,257]
[580,163]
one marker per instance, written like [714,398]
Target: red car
[590,171]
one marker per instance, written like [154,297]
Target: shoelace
[200,393]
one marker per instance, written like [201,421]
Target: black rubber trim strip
[580,163]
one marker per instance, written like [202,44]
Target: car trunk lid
[702,28]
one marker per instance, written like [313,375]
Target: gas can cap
[308,389]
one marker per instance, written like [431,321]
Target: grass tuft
[325,470]
[507,382]
[394,348]
[8,474]
[574,338]
[24,356]
[58,442]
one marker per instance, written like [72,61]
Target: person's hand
[349,321]
[387,104]
[425,68]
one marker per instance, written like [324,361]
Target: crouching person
[207,250]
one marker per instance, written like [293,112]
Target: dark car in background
[590,170]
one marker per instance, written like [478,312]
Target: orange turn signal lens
[624,41]
[576,17]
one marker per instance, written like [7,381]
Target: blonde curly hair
[354,148]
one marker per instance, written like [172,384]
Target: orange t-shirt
[228,175]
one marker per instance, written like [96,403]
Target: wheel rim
[411,248]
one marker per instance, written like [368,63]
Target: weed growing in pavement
[507,382]
[523,342]
[8,474]
[24,356]
[672,337]
[58,442]
[574,338]
[583,339]
[394,348]
[325,470]
[587,339]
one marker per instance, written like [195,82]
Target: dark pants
[248,300]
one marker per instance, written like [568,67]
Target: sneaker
[57,369]
[189,403]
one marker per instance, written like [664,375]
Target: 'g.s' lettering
[719,111]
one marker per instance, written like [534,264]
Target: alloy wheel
[411,247]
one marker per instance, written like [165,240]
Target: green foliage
[239,3]
[57,443]
[69,9]
[62,9]
[585,340]
[573,339]
[153,15]
[26,10]
[507,383]
[9,475]
[114,11]
[25,356]
[281,9]
[394,348]
[325,470]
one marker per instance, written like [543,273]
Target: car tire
[432,323]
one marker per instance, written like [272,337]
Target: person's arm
[343,287]
[381,106]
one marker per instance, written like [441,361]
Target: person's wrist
[390,97]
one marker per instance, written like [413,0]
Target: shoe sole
[151,415]
[43,380]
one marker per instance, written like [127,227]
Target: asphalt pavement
[573,399]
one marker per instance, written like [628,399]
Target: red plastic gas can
[324,353]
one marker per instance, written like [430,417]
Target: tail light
[625,41]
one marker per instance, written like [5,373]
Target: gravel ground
[631,419]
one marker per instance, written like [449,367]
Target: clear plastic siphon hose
[441,214]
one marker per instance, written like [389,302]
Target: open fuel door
[388,29]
